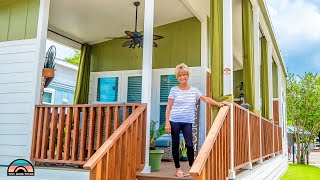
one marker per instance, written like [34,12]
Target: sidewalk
[314,158]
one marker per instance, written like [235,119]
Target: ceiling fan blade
[155,44]
[156,37]
[131,34]
[116,38]
[128,43]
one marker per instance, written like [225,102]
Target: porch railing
[213,160]
[122,155]
[254,138]
[73,133]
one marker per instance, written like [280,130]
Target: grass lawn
[302,172]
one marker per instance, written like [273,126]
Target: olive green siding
[181,44]
[275,80]
[18,19]
[237,79]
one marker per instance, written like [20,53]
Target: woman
[180,114]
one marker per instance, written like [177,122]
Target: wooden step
[167,172]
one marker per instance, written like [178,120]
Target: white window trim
[52,92]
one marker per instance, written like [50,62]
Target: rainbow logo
[20,167]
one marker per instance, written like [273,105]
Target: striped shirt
[184,104]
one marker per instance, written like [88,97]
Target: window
[108,89]
[134,89]
[166,83]
[48,96]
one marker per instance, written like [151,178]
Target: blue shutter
[108,89]
[162,114]
[134,89]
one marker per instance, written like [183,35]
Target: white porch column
[147,72]
[257,59]
[204,67]
[41,39]
[228,69]
[270,61]
[227,48]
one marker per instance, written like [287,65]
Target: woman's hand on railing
[220,104]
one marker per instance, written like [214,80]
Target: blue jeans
[186,129]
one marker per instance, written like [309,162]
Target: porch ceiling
[92,21]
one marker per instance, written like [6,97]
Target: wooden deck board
[167,171]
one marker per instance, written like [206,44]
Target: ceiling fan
[136,38]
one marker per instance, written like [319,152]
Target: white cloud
[295,22]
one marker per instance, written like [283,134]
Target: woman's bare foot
[179,172]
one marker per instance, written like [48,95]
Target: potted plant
[183,150]
[49,64]
[155,155]
[48,70]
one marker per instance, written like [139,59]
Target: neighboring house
[290,136]
[231,43]
[61,89]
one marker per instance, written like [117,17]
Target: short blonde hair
[182,68]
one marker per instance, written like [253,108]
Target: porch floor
[167,171]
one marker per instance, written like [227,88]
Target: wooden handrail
[92,162]
[207,146]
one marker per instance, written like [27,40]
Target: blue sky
[297,27]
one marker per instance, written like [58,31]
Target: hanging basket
[48,72]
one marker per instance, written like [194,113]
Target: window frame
[52,92]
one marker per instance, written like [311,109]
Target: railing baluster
[35,131]
[123,152]
[108,123]
[45,132]
[116,123]
[39,133]
[91,132]
[99,127]
[68,134]
[125,112]
[83,140]
[53,132]
[75,134]
[60,133]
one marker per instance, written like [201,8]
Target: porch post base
[273,155]
[232,175]
[248,167]
[146,170]
[260,161]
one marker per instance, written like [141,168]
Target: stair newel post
[232,174]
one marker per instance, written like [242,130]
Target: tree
[75,59]
[304,110]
